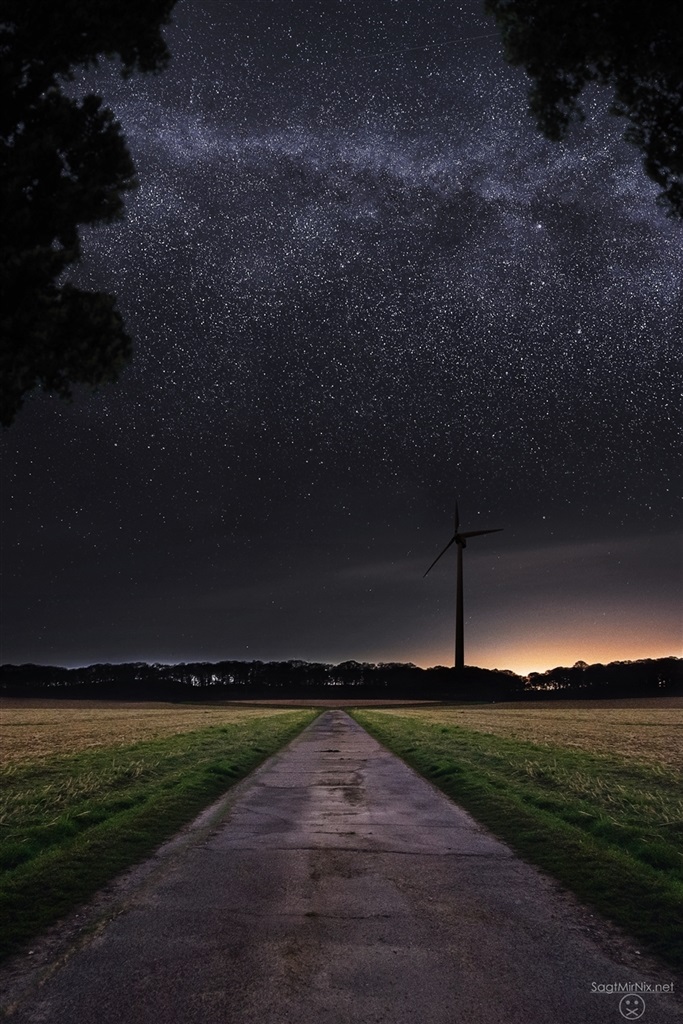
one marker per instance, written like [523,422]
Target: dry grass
[648,731]
[33,730]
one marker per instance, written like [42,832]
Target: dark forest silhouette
[243,680]
[64,164]
[633,49]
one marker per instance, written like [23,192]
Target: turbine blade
[457,517]
[452,541]
[480,533]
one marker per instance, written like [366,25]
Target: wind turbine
[461,540]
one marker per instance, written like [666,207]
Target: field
[591,792]
[649,730]
[31,730]
[89,789]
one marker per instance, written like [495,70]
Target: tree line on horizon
[240,680]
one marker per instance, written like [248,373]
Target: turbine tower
[461,540]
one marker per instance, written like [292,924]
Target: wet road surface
[340,887]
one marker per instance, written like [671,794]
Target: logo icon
[632,1007]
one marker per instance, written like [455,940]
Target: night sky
[360,285]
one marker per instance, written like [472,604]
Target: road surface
[340,887]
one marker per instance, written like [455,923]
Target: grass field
[649,730]
[87,791]
[592,793]
[31,730]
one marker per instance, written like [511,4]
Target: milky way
[359,284]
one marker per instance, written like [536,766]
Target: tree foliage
[635,49]
[64,163]
[225,680]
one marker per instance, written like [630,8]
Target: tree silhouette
[636,49]
[63,163]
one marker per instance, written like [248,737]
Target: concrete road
[339,887]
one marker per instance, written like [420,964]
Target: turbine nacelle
[461,540]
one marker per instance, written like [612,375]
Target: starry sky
[360,286]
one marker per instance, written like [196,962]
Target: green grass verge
[70,824]
[608,828]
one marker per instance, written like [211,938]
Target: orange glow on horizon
[535,609]
[525,658]
[556,648]
[552,655]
